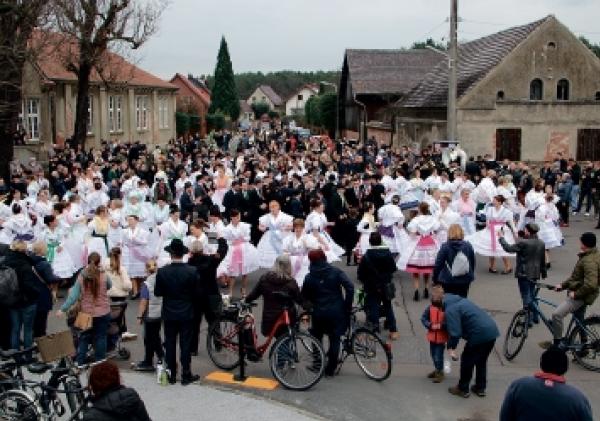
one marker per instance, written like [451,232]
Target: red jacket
[436,316]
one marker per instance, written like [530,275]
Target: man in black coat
[186,202]
[177,283]
[234,199]
[322,290]
[375,272]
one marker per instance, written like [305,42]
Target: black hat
[554,360]
[176,248]
[588,239]
[173,208]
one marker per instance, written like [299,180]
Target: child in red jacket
[434,321]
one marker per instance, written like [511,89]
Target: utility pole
[452,69]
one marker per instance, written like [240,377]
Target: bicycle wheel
[75,395]
[297,361]
[222,344]
[371,354]
[588,342]
[516,334]
[16,405]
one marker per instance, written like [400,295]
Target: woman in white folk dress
[173,228]
[241,258]
[391,225]
[17,227]
[135,252]
[43,206]
[486,242]
[75,242]
[547,218]
[56,254]
[365,227]
[316,224]
[506,190]
[276,226]
[214,229]
[533,200]
[222,183]
[465,207]
[297,247]
[116,218]
[447,217]
[419,258]
[98,233]
[417,186]
[198,236]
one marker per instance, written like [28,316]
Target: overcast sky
[270,35]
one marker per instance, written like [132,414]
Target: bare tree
[96,27]
[18,19]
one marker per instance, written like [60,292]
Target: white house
[266,94]
[295,103]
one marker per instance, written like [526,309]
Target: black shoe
[425,293]
[142,366]
[416,296]
[173,379]
[190,378]
[194,353]
[479,392]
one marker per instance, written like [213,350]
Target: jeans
[437,355]
[577,307]
[98,334]
[574,196]
[183,330]
[585,194]
[474,357]
[152,341]
[374,304]
[22,319]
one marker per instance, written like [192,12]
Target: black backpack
[9,285]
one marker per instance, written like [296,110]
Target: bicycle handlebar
[43,385]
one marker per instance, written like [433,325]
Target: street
[407,394]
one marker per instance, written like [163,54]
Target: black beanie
[588,239]
[554,360]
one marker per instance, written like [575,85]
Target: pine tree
[224,96]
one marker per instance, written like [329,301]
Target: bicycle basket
[55,346]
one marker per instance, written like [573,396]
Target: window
[264,98]
[598,96]
[552,45]
[508,144]
[163,112]
[536,90]
[300,97]
[115,113]
[90,115]
[141,112]
[500,95]
[562,90]
[32,107]
[253,99]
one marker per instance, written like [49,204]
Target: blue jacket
[564,190]
[542,398]
[466,320]
[445,258]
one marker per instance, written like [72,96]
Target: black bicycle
[583,334]
[21,398]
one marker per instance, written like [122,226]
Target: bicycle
[296,359]
[583,335]
[371,353]
[64,373]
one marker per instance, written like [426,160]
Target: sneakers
[479,392]
[128,336]
[432,374]
[586,214]
[456,391]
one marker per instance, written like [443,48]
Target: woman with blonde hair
[121,284]
[91,287]
[446,260]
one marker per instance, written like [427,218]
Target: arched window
[536,90]
[562,90]
[500,95]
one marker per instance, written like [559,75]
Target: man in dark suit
[234,199]
[186,202]
[256,207]
[176,283]
[352,194]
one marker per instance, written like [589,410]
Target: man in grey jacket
[531,264]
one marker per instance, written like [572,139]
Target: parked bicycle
[22,398]
[371,353]
[582,338]
[296,359]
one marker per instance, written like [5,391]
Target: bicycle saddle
[38,368]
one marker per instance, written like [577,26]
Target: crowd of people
[174,224]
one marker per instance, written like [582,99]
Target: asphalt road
[407,394]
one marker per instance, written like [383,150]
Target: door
[508,144]
[588,145]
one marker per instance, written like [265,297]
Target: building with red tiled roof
[192,99]
[126,102]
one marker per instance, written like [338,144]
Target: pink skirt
[422,261]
